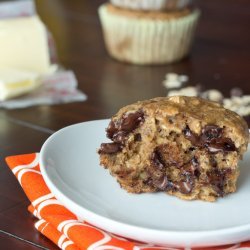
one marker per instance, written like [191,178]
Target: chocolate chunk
[119,137]
[223,144]
[110,148]
[185,187]
[111,130]
[137,137]
[118,131]
[161,183]
[195,167]
[210,132]
[164,184]
[192,137]
[156,159]
[216,178]
[131,121]
[211,139]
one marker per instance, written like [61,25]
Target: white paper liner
[147,41]
[151,5]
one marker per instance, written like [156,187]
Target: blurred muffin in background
[148,37]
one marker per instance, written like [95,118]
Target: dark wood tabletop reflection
[220,59]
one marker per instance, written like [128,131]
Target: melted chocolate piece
[195,167]
[222,144]
[110,148]
[137,137]
[161,183]
[216,178]
[156,159]
[118,131]
[164,184]
[131,121]
[111,130]
[119,137]
[185,187]
[210,132]
[211,139]
[192,137]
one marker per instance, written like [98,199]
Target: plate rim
[193,234]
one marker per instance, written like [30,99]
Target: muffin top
[152,5]
[148,14]
[194,112]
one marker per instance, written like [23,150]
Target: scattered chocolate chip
[210,132]
[156,159]
[110,148]
[131,121]
[185,187]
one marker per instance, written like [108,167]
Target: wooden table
[220,59]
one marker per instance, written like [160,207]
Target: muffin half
[184,146]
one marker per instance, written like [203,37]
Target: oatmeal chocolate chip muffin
[152,37]
[152,5]
[185,146]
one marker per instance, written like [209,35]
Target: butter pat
[24,45]
[16,82]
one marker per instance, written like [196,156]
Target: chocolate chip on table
[110,148]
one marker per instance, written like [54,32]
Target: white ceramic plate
[70,167]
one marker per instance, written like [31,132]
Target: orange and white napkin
[63,227]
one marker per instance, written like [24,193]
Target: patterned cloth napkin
[63,227]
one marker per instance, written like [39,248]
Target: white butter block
[15,82]
[24,44]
